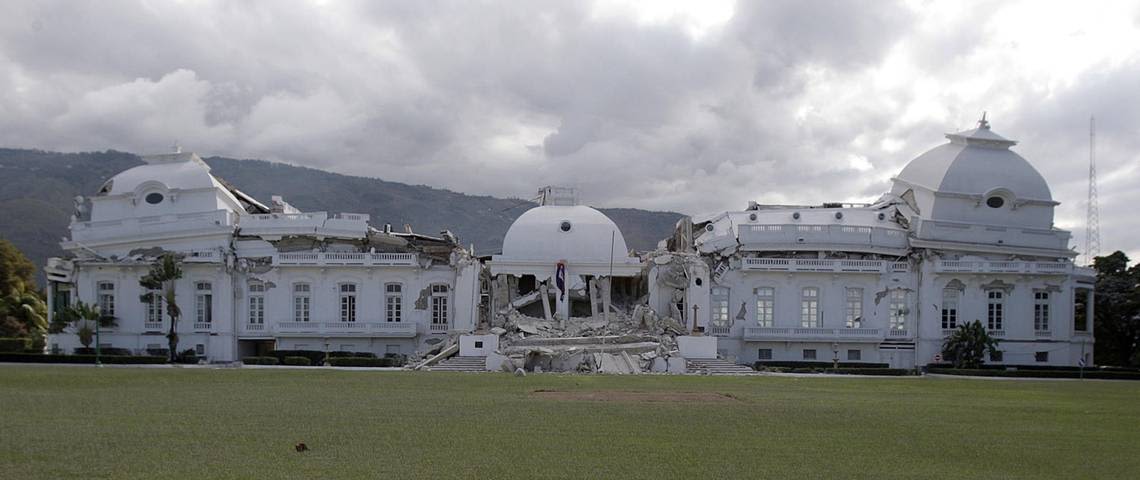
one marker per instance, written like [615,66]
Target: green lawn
[190,423]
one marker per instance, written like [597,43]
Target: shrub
[158,352]
[360,362]
[53,358]
[14,344]
[316,357]
[770,363]
[187,356]
[103,351]
[294,360]
[259,360]
[990,372]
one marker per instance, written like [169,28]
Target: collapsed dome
[180,171]
[572,233]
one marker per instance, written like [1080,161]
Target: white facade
[965,234]
[255,278]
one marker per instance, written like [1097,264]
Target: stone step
[718,367]
[461,364]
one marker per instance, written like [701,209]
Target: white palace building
[966,233]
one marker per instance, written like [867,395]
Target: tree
[1116,318]
[83,316]
[23,312]
[967,346]
[164,272]
[17,274]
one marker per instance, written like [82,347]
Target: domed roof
[175,171]
[573,233]
[975,162]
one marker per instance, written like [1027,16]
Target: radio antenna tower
[1092,218]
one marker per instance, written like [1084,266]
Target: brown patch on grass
[619,396]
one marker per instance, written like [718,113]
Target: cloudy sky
[688,106]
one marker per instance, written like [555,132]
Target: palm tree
[967,346]
[164,272]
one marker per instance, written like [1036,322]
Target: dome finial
[983,123]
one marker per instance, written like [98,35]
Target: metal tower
[1092,218]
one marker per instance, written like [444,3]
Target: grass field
[190,423]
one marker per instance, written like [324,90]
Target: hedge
[316,357]
[53,358]
[17,345]
[259,360]
[1056,368]
[760,365]
[365,362]
[123,352]
[990,372]
[304,361]
[340,354]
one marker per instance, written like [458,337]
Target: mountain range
[38,188]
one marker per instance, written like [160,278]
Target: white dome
[975,162]
[572,233]
[183,171]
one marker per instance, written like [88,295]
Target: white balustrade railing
[718,330]
[152,326]
[439,327]
[380,329]
[823,265]
[797,333]
[981,266]
[203,326]
[345,258]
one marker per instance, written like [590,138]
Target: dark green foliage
[968,345]
[188,357]
[1028,373]
[762,364]
[303,361]
[363,362]
[23,312]
[351,354]
[316,357]
[51,358]
[1116,319]
[259,360]
[18,345]
[103,351]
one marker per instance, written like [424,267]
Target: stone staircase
[461,364]
[716,366]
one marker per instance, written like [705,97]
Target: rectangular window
[204,302]
[854,355]
[393,303]
[106,298]
[764,354]
[950,298]
[439,314]
[765,306]
[1041,311]
[1080,310]
[996,356]
[199,349]
[809,309]
[899,309]
[854,307]
[347,302]
[392,348]
[154,306]
[995,309]
[719,300]
[809,354]
[257,303]
[1041,356]
[301,302]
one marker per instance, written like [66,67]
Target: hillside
[38,188]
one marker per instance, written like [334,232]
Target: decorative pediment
[998,285]
[956,285]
